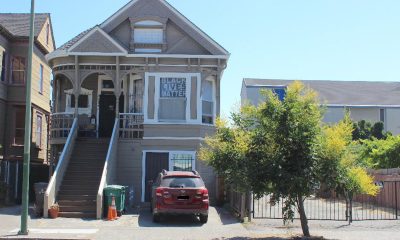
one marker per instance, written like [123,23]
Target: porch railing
[55,181]
[110,169]
[131,125]
[61,124]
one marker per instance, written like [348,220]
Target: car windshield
[182,182]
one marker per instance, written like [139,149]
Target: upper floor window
[207,101]
[280,93]
[136,96]
[19,130]
[18,70]
[382,115]
[148,36]
[2,66]
[39,130]
[41,79]
[172,103]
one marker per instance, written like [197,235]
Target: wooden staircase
[78,190]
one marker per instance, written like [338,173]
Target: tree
[271,149]
[365,130]
[383,153]
[276,149]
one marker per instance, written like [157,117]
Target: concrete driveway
[131,226]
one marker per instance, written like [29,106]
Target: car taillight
[202,193]
[161,192]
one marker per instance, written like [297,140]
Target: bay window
[207,102]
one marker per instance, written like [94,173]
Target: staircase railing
[55,181]
[110,169]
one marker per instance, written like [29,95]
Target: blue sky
[286,39]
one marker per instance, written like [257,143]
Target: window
[3,66]
[172,105]
[18,70]
[382,115]
[280,92]
[39,130]
[182,162]
[84,101]
[207,101]
[148,37]
[41,79]
[136,96]
[19,132]
[47,34]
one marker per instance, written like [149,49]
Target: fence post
[396,197]
[249,205]
[242,206]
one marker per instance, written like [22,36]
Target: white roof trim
[64,53]
[95,29]
[180,15]
[363,106]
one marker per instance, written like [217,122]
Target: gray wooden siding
[97,42]
[171,130]
[2,123]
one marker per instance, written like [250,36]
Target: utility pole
[27,137]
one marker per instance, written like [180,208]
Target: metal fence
[384,206]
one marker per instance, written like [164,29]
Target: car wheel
[156,218]
[203,218]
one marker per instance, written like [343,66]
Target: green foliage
[365,130]
[338,166]
[384,153]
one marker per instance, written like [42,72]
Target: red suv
[179,193]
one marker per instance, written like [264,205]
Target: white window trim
[214,99]
[144,153]
[83,91]
[188,77]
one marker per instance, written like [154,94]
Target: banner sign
[172,87]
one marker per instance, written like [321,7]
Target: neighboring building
[159,74]
[370,101]
[14,41]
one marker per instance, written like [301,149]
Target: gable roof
[101,42]
[176,13]
[18,24]
[342,93]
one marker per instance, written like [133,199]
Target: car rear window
[182,182]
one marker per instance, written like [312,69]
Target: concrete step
[83,192]
[66,187]
[85,214]
[84,208]
[76,197]
[77,202]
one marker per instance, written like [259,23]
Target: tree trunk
[303,217]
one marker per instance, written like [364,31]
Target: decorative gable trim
[98,29]
[178,14]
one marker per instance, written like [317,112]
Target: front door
[107,104]
[155,163]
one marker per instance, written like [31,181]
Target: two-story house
[133,95]
[14,38]
[370,101]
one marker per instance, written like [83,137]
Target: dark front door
[106,114]
[155,163]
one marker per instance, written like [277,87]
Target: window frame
[3,65]
[19,70]
[68,102]
[157,77]
[214,101]
[41,78]
[22,111]
[39,132]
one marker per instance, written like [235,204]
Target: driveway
[131,226]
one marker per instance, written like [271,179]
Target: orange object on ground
[112,211]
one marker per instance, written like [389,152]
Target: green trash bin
[114,191]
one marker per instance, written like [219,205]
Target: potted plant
[54,210]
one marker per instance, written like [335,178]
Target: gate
[384,206]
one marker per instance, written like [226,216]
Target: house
[133,95]
[370,101]
[14,41]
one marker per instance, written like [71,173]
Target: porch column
[77,85]
[117,87]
